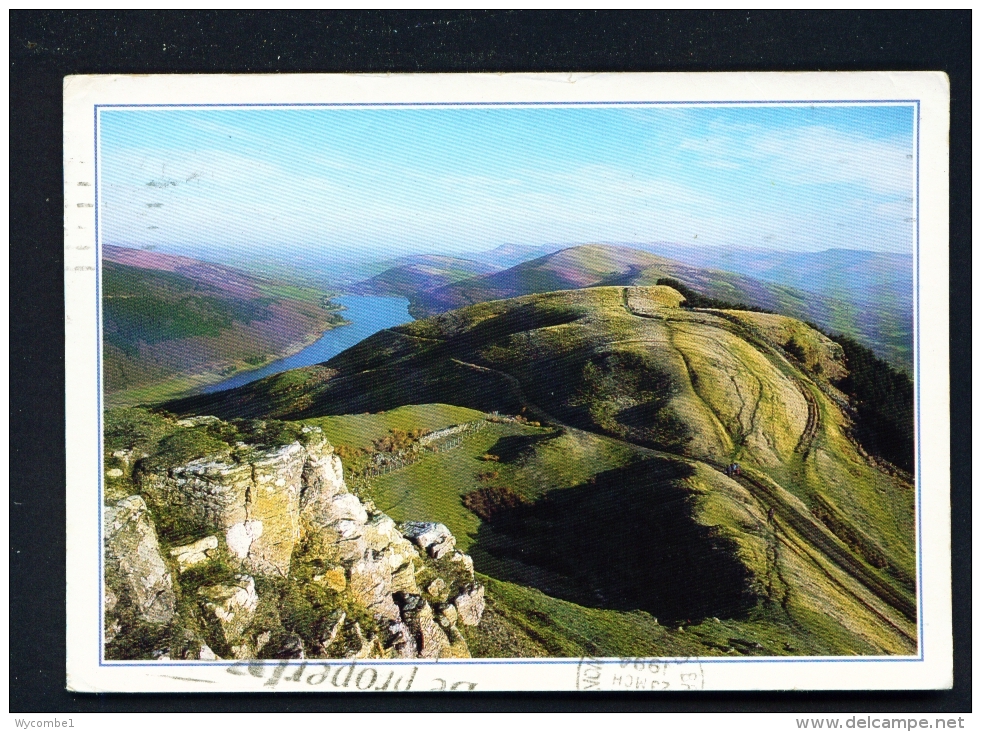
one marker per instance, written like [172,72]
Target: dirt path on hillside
[813,422]
[519,393]
[769,497]
[821,537]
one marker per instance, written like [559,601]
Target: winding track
[813,422]
[801,521]
[795,517]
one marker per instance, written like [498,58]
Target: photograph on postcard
[403,383]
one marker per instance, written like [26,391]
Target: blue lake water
[368,315]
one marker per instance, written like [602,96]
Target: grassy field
[522,619]
[530,460]
[619,503]
[361,430]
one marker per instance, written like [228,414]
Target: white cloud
[809,155]
[700,188]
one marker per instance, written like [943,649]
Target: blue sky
[391,181]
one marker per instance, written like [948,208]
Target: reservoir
[368,315]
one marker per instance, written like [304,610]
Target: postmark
[639,674]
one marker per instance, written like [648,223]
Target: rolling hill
[595,265]
[876,286]
[420,273]
[847,274]
[171,323]
[508,255]
[607,503]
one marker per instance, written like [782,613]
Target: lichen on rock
[273,557]
[135,571]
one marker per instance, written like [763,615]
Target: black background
[47,45]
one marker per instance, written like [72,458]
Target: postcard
[559,382]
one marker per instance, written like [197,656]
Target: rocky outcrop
[137,579]
[343,580]
[194,554]
[435,539]
[431,639]
[231,608]
[469,605]
[251,498]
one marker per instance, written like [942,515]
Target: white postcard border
[84,95]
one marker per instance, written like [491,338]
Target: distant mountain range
[171,323]
[846,274]
[508,255]
[874,313]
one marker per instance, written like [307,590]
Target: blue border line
[919,432]
[493,662]
[505,661]
[98,376]
[801,102]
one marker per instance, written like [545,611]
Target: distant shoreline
[169,389]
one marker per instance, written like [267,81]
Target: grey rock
[429,637]
[470,605]
[435,539]
[231,607]
[371,587]
[136,574]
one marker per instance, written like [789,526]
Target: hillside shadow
[511,448]
[496,329]
[628,541]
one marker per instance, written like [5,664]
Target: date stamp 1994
[639,674]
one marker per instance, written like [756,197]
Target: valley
[596,501]
[174,324]
[413,382]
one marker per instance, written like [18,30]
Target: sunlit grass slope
[620,502]
[879,323]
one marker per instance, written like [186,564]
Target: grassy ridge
[645,403]
[885,329]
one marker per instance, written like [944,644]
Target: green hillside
[596,265]
[616,509]
[172,323]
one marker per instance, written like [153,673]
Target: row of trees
[698,300]
[883,399]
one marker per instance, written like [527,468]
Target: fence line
[451,437]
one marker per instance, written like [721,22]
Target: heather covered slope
[421,273]
[171,323]
[813,530]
